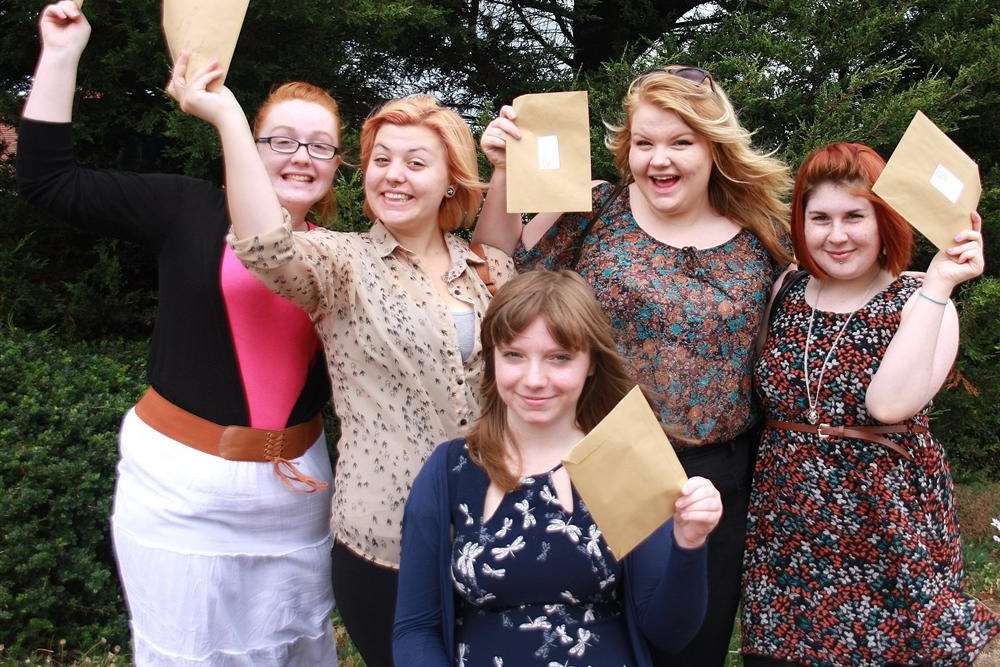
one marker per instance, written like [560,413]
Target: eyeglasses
[316,149]
[695,75]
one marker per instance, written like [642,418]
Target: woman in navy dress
[502,563]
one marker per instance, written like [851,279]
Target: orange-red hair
[858,167]
[326,207]
[463,170]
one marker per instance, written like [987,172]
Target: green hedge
[60,406]
[967,421]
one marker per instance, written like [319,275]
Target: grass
[977,502]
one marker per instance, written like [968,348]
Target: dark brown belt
[236,443]
[866,433]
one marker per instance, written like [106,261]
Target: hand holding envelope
[206,29]
[628,474]
[931,183]
[548,169]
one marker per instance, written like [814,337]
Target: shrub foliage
[60,406]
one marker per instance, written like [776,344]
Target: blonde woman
[397,309]
[681,255]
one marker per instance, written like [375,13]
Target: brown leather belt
[866,433]
[235,443]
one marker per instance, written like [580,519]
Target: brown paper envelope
[207,28]
[627,473]
[931,183]
[549,168]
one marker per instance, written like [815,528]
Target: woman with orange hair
[223,559]
[853,554]
[397,309]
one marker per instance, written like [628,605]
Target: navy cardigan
[665,586]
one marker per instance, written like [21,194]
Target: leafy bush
[967,420]
[60,406]
[52,275]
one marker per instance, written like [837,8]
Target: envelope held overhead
[206,28]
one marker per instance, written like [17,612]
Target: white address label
[947,183]
[548,152]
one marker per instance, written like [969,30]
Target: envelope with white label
[931,183]
[206,28]
[627,473]
[548,170]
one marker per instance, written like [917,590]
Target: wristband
[932,299]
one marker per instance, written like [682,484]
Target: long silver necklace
[813,414]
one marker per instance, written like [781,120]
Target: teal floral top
[686,318]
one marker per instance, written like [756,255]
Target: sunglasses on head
[695,75]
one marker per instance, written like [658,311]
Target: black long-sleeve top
[183,221]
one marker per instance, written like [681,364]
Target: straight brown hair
[574,320]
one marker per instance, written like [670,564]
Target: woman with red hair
[221,519]
[853,553]
[397,309]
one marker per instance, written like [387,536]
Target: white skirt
[222,565]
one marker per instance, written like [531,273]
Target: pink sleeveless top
[274,342]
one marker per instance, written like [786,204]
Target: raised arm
[250,197]
[64,32]
[923,350]
[139,207]
[495,226]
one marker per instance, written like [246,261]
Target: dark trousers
[366,598]
[729,465]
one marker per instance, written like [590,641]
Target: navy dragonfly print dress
[536,584]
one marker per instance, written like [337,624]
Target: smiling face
[539,380]
[841,231]
[406,177]
[299,179]
[670,162]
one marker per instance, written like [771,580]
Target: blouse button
[460,381]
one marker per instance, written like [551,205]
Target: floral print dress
[853,554]
[536,584]
[685,318]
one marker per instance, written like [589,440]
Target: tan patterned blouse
[399,384]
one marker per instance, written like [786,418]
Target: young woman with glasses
[681,255]
[397,309]
[222,503]
[503,563]
[853,551]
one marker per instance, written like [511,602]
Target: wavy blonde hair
[746,185]
[463,172]
[326,208]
